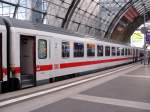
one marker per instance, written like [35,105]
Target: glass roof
[90,17]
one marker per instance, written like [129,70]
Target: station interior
[86,78]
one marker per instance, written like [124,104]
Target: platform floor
[124,91]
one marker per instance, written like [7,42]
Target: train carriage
[39,53]
[3,53]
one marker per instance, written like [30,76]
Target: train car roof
[47,28]
[41,27]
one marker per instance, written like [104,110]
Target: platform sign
[137,39]
[147,37]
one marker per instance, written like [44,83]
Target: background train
[34,54]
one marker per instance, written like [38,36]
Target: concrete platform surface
[127,90]
[71,105]
[144,71]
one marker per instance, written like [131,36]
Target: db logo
[56,66]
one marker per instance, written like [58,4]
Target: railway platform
[121,89]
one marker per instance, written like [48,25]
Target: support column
[69,14]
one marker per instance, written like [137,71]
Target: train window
[65,49]
[129,53]
[133,52]
[90,49]
[113,51]
[78,49]
[107,51]
[137,52]
[126,51]
[99,50]
[118,51]
[42,49]
[122,51]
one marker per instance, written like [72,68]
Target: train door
[27,61]
[1,73]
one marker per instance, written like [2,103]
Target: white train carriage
[39,53]
[3,53]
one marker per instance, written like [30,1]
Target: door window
[42,49]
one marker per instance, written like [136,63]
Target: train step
[27,81]
[27,85]
[29,76]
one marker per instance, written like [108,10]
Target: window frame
[65,56]
[129,52]
[42,50]
[112,53]
[91,48]
[126,51]
[102,54]
[106,51]
[119,51]
[78,54]
[123,51]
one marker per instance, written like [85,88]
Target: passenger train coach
[34,54]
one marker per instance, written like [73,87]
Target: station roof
[112,19]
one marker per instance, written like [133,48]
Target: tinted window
[118,51]
[42,49]
[90,49]
[129,52]
[137,52]
[99,50]
[65,49]
[133,52]
[107,51]
[122,51]
[78,49]
[113,51]
[126,51]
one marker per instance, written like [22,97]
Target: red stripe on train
[75,64]
[44,67]
[5,71]
[16,70]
